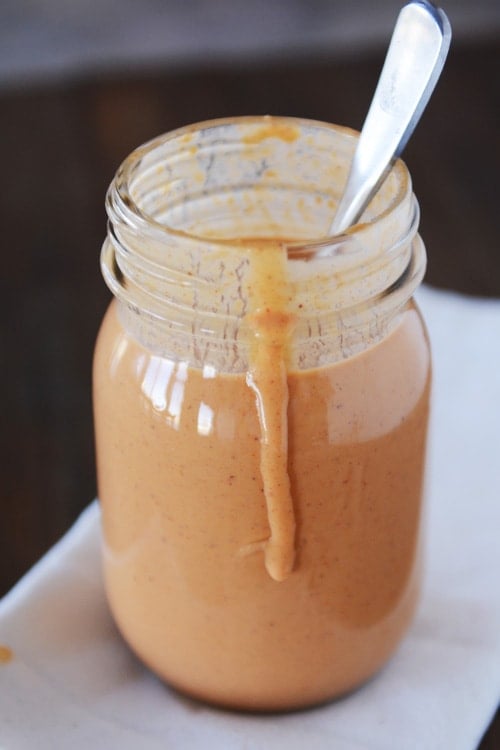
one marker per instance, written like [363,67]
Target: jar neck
[188,211]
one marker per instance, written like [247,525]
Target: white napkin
[72,683]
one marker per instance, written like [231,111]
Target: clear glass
[261,402]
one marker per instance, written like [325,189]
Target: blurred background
[82,82]
[55,39]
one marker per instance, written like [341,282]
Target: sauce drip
[272,325]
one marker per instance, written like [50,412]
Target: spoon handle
[413,64]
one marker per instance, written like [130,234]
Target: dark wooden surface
[60,146]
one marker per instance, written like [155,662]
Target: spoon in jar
[414,61]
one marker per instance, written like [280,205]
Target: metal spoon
[413,64]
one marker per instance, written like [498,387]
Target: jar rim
[212,175]
[120,199]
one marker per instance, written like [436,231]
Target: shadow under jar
[261,404]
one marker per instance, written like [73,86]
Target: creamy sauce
[181,481]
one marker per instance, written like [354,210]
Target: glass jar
[261,402]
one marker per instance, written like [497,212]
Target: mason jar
[261,397]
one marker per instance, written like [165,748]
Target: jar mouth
[189,211]
[127,196]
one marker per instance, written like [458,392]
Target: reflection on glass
[163,384]
[117,355]
[209,371]
[205,419]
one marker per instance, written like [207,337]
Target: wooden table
[60,146]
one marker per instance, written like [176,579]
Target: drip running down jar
[261,402]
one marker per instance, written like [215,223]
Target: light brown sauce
[282,131]
[179,503]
